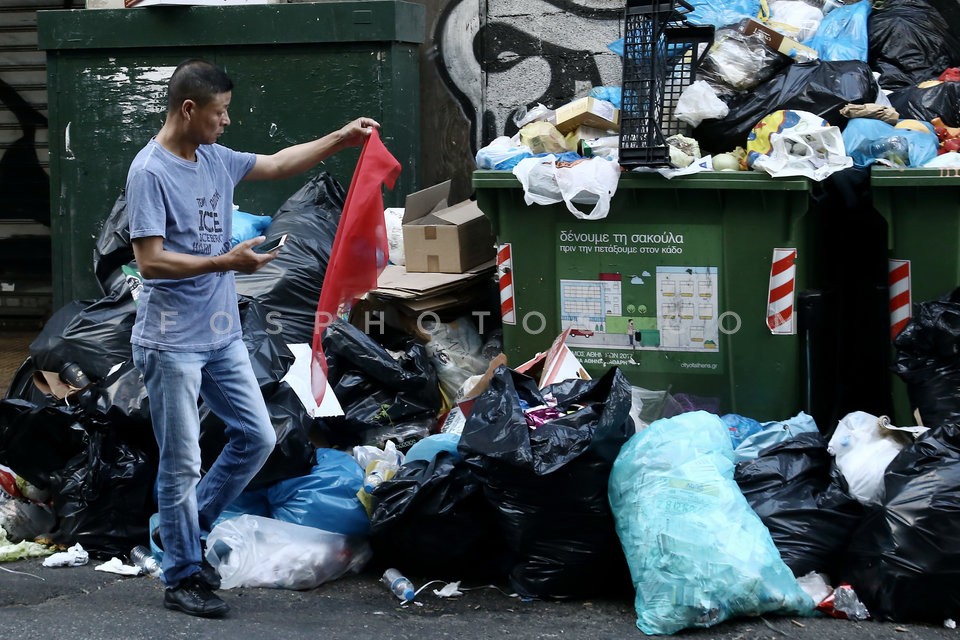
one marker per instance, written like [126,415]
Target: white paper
[114,565]
[75,556]
[298,377]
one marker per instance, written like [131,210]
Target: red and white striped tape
[900,303]
[781,318]
[508,311]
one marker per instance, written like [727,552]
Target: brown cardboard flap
[460,213]
[426,201]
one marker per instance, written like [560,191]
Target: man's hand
[245,260]
[353,134]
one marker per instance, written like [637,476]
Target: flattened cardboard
[396,282]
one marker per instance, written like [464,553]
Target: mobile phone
[271,245]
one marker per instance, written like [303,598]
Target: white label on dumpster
[686,316]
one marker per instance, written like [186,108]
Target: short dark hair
[196,80]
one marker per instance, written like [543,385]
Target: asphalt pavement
[81,603]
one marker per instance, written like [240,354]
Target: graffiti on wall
[502,56]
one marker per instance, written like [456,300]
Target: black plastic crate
[660,55]
[685,49]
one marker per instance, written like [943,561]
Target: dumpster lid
[753,180]
[891,177]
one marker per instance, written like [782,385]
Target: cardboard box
[777,41]
[438,238]
[589,112]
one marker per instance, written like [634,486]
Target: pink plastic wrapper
[539,415]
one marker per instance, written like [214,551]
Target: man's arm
[156,262]
[298,158]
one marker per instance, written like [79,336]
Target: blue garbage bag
[842,34]
[868,140]
[698,554]
[770,434]
[247,226]
[325,498]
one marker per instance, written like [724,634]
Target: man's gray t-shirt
[189,205]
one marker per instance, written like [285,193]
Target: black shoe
[209,575]
[193,596]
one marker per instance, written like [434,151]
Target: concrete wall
[487,59]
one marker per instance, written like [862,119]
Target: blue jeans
[188,505]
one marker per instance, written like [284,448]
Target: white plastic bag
[592,181]
[454,351]
[700,102]
[794,18]
[789,142]
[393,219]
[502,154]
[253,551]
[864,445]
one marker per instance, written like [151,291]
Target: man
[186,340]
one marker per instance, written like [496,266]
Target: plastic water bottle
[373,480]
[140,556]
[398,584]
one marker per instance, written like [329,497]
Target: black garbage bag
[820,87]
[289,286]
[926,103]
[37,441]
[801,498]
[270,356]
[103,497]
[120,400]
[903,562]
[100,481]
[22,386]
[549,484]
[113,248]
[910,42]
[928,359]
[383,397]
[97,337]
[431,519]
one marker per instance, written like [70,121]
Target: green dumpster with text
[689,284]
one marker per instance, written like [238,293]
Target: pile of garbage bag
[572,489]
[827,86]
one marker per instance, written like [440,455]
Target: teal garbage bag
[697,553]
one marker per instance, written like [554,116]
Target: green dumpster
[299,70]
[922,210]
[688,284]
